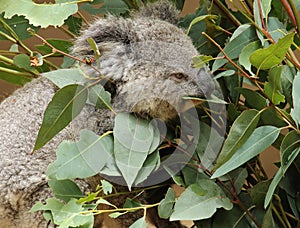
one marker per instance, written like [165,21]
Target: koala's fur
[148,61]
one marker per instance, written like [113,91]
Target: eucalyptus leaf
[140,223]
[268,57]
[65,189]
[273,87]
[240,131]
[165,208]
[66,215]
[23,61]
[133,142]
[295,111]
[81,159]
[66,104]
[253,98]
[65,77]
[235,46]
[115,7]
[199,201]
[287,149]
[74,24]
[244,58]
[19,25]
[258,141]
[99,97]
[40,14]
[62,45]
[289,158]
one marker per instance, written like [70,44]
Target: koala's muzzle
[205,83]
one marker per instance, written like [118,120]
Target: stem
[15,36]
[226,11]
[121,209]
[6,60]
[83,18]
[282,210]
[10,71]
[7,37]
[278,215]
[243,73]
[67,32]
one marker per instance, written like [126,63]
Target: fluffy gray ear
[163,10]
[103,31]
[113,36]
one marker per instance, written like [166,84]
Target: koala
[147,61]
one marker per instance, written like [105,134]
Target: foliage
[253,49]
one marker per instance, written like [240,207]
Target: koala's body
[149,62]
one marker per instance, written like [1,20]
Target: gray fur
[148,60]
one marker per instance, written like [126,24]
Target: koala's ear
[103,31]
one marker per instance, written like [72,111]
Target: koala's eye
[178,77]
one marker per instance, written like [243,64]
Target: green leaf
[268,57]
[81,159]
[165,208]
[115,7]
[205,18]
[244,35]
[19,25]
[40,14]
[224,74]
[106,186]
[209,145]
[261,13]
[74,24]
[140,223]
[240,131]
[289,150]
[295,111]
[258,141]
[289,144]
[23,61]
[134,140]
[200,201]
[65,189]
[253,98]
[65,77]
[68,215]
[244,58]
[273,87]
[99,97]
[287,77]
[200,60]
[66,104]
[268,221]
[272,187]
[151,163]
[15,77]
[62,45]
[258,192]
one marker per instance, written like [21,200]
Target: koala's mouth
[161,109]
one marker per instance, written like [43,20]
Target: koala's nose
[206,84]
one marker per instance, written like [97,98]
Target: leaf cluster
[252,47]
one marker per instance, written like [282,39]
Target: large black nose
[206,83]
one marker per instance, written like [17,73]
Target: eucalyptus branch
[15,72]
[282,210]
[14,36]
[6,60]
[226,11]
[243,73]
[8,37]
[293,13]
[96,212]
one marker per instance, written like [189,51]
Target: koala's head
[149,61]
